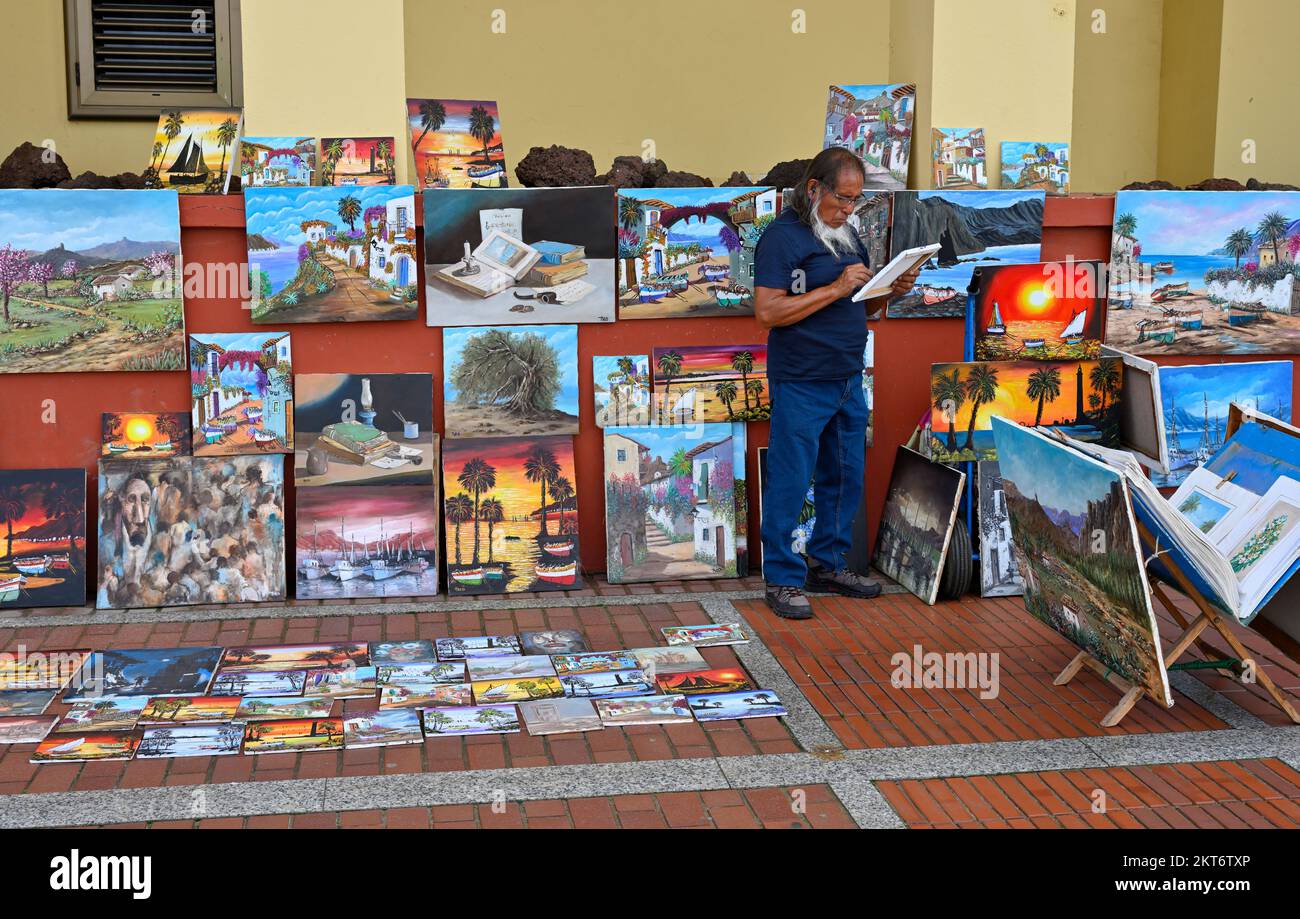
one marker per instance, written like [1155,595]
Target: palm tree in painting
[12,507]
[625,384]
[1126,225]
[157,152]
[1045,386]
[1272,228]
[561,491]
[754,388]
[1105,380]
[743,363]
[948,394]
[482,127]
[981,388]
[492,513]
[172,129]
[227,131]
[679,463]
[433,115]
[61,504]
[477,477]
[459,510]
[630,211]
[541,468]
[670,365]
[350,211]
[1238,244]
[726,391]
[333,153]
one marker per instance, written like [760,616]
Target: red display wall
[53,419]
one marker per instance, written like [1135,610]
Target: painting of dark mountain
[122,250]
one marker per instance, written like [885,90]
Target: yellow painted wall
[715,85]
[326,68]
[911,60]
[1259,88]
[1116,104]
[1189,89]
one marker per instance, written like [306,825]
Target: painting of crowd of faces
[194,151]
[364,428]
[1034,164]
[510,382]
[511,514]
[277,161]
[1039,311]
[457,143]
[367,541]
[917,522]
[957,158]
[89,280]
[973,229]
[522,255]
[874,121]
[241,392]
[331,254]
[670,509]
[706,383]
[1205,272]
[353,161]
[43,562]
[621,384]
[191,530]
[689,252]
[144,435]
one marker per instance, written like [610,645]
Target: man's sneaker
[789,602]
[844,582]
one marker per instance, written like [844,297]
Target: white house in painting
[392,256]
[715,538]
[317,230]
[111,286]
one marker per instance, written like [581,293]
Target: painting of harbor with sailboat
[1195,400]
[367,541]
[194,151]
[511,514]
[1040,311]
[43,541]
[457,143]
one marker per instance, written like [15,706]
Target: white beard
[841,242]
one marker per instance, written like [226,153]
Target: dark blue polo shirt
[827,345]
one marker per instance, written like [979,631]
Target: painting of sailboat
[195,151]
[1039,311]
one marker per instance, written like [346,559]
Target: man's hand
[905,282]
[851,279]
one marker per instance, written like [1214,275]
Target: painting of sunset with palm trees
[511,514]
[42,537]
[1081,398]
[194,150]
[358,161]
[699,383]
[457,143]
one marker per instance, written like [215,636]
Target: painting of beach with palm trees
[1205,272]
[194,150]
[702,383]
[511,514]
[511,382]
[42,537]
[457,143]
[1080,398]
[354,161]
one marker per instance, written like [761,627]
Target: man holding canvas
[808,265]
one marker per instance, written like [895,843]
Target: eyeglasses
[845,201]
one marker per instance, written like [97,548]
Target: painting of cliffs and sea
[1205,272]
[973,229]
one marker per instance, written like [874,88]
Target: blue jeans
[818,434]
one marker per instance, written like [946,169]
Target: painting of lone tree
[515,382]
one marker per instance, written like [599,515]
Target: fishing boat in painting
[650,294]
[10,587]
[1160,331]
[481,172]
[1189,320]
[1245,313]
[996,326]
[1073,333]
[565,575]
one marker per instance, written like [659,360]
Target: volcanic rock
[556,167]
[633,172]
[1153,185]
[1253,184]
[26,168]
[1217,185]
[736,180]
[786,174]
[677,179]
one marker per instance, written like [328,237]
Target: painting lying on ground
[25,701]
[90,281]
[670,509]
[702,383]
[191,740]
[511,514]
[1195,400]
[999,576]
[277,161]
[1038,165]
[957,158]
[689,252]
[1075,542]
[296,657]
[973,229]
[1041,311]
[354,161]
[1205,272]
[241,392]
[43,562]
[294,736]
[621,384]
[120,714]
[194,151]
[331,254]
[874,121]
[86,748]
[382,729]
[367,541]
[189,710]
[559,716]
[511,382]
[364,429]
[750,703]
[1080,398]
[916,524]
[50,669]
[25,730]
[545,642]
[472,719]
[197,530]
[146,672]
[144,435]
[525,255]
[457,143]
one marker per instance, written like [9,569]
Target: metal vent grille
[155,47]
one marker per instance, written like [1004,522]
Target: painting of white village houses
[689,252]
[958,157]
[670,503]
[277,161]
[242,393]
[875,122]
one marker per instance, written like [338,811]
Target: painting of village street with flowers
[874,121]
[331,254]
[89,281]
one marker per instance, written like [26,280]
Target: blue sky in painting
[1258,384]
[276,142]
[982,198]
[1061,478]
[664,441]
[868,90]
[686,196]
[239,341]
[1013,150]
[563,338]
[602,365]
[278,212]
[1197,222]
[82,218]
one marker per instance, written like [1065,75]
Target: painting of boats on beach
[358,161]
[144,435]
[194,151]
[331,254]
[241,392]
[711,383]
[874,121]
[43,541]
[621,384]
[1205,272]
[511,514]
[367,541]
[277,161]
[1040,311]
[90,280]
[689,252]
[973,229]
[86,748]
[1195,400]
[457,143]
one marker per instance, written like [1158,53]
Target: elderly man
[808,265]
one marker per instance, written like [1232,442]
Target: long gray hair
[825,167]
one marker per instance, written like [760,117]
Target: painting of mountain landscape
[457,143]
[973,229]
[874,120]
[1205,272]
[90,280]
[1075,543]
[43,513]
